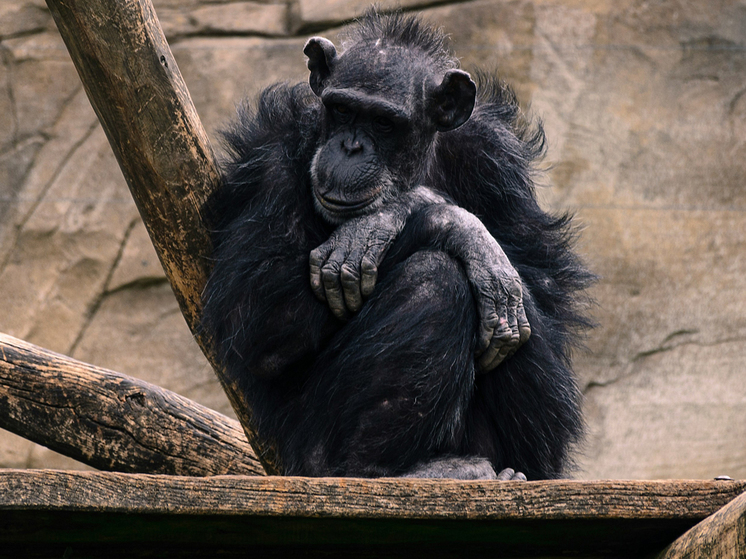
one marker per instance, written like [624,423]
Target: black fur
[396,385]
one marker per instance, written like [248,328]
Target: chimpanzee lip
[336,205]
[339,206]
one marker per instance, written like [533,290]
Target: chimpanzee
[433,337]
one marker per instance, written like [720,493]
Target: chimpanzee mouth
[343,206]
[336,209]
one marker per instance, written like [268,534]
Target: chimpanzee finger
[488,322]
[505,351]
[524,328]
[330,272]
[316,260]
[517,320]
[487,364]
[501,343]
[350,279]
[369,274]
[514,301]
[369,266]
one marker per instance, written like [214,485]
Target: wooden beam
[126,515]
[114,422]
[722,535]
[137,91]
[390,498]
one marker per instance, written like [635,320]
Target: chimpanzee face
[364,159]
[382,109]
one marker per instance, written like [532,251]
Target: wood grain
[114,422]
[722,535]
[389,498]
[138,93]
[82,514]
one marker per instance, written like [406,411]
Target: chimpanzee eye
[383,124]
[341,112]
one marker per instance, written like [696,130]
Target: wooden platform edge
[363,498]
[46,513]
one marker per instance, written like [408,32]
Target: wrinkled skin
[365,180]
[344,269]
[386,291]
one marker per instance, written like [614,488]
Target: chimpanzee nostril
[351,146]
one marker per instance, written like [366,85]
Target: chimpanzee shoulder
[271,139]
[490,166]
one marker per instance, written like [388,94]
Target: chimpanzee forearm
[495,283]
[344,269]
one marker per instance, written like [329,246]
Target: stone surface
[138,264]
[319,13]
[17,18]
[220,72]
[138,330]
[233,18]
[645,112]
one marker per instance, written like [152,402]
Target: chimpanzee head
[385,98]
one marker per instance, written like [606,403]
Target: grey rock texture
[645,112]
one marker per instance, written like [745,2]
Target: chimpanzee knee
[392,387]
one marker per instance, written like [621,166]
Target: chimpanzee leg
[392,389]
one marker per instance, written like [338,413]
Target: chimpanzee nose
[352,146]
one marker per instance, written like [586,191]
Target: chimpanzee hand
[344,269]
[496,285]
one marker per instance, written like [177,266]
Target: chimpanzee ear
[321,57]
[452,102]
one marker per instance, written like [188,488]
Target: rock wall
[645,112]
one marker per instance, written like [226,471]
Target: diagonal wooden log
[721,535]
[112,421]
[137,91]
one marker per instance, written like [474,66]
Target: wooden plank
[364,498]
[137,91]
[722,535]
[42,512]
[114,422]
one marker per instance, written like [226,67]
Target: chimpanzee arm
[495,283]
[257,301]
[257,304]
[344,268]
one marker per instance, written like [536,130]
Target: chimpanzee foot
[509,474]
[455,467]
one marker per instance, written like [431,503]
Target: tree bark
[137,91]
[114,422]
[722,535]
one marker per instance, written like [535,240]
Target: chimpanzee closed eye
[433,337]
